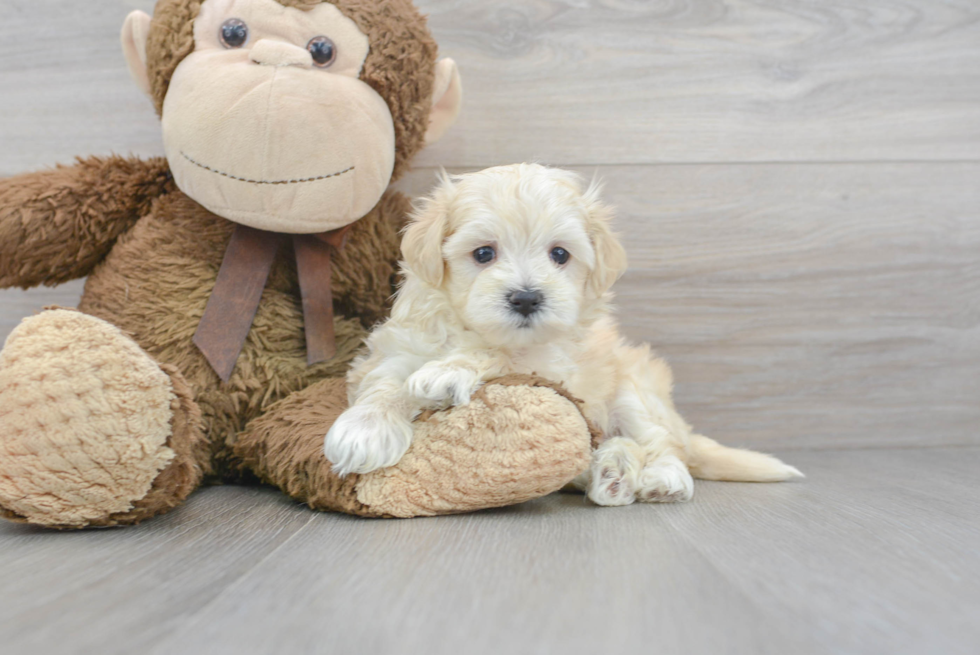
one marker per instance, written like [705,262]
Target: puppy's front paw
[366,438]
[613,474]
[665,480]
[439,385]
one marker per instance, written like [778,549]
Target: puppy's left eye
[560,256]
[484,255]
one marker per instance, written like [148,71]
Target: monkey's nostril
[525,302]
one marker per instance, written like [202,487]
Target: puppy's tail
[712,461]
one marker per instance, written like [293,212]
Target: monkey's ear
[425,234]
[135,31]
[447,100]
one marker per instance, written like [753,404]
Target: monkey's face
[267,123]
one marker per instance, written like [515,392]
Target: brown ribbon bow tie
[244,272]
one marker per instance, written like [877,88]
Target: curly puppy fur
[508,271]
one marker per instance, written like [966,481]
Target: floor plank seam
[736,585]
[194,620]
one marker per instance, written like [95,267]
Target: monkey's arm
[365,270]
[56,225]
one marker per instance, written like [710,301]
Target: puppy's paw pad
[443,385]
[366,438]
[665,480]
[613,476]
[659,496]
[611,488]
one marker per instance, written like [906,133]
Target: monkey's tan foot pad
[517,440]
[85,417]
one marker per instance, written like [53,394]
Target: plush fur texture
[508,271]
[59,224]
[121,416]
[260,135]
[516,442]
[399,66]
[513,443]
[163,310]
[77,395]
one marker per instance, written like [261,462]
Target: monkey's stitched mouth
[243,179]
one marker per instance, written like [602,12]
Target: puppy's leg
[451,380]
[614,473]
[439,385]
[376,431]
[660,435]
[665,480]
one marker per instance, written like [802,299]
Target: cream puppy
[508,271]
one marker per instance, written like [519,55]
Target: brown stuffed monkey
[231,283]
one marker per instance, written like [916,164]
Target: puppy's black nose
[526,302]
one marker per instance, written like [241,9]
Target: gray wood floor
[798,186]
[877,551]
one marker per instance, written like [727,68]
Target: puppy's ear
[610,257]
[429,226]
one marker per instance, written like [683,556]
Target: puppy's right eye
[484,255]
[560,256]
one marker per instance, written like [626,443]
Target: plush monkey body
[159,301]
[111,414]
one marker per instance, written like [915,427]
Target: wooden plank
[871,554]
[589,82]
[598,82]
[121,591]
[876,552]
[552,576]
[65,88]
[807,305]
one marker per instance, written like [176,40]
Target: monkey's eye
[323,50]
[484,255]
[234,33]
[560,256]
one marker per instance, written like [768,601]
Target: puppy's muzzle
[526,302]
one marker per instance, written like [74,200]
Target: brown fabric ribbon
[243,275]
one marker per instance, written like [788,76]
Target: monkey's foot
[510,444]
[518,439]
[93,432]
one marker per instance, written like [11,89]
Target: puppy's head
[523,253]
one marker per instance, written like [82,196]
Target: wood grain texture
[584,82]
[807,305]
[122,591]
[875,552]
[625,82]
[64,85]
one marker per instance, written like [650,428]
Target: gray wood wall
[798,183]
